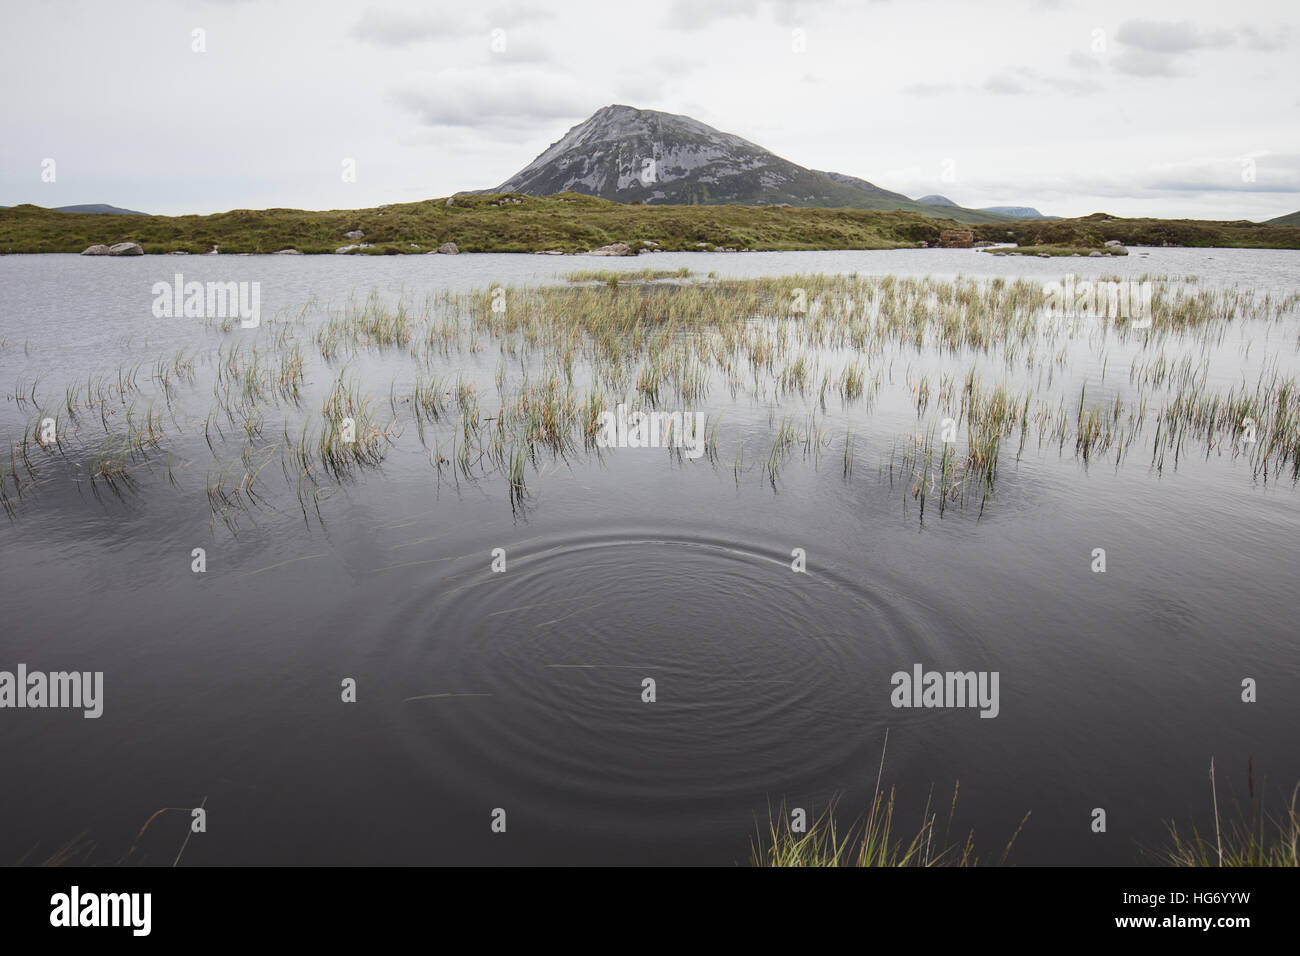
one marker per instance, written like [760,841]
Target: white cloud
[1155,37]
[486,99]
[396,28]
[1004,85]
[1029,110]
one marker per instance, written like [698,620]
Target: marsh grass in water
[613,277]
[876,839]
[990,375]
[1241,836]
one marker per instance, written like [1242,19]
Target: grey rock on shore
[125,249]
[613,249]
[96,251]
[448,249]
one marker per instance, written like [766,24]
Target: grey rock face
[96,251]
[613,249]
[125,249]
[627,154]
[448,249]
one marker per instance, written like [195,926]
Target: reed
[1249,837]
[984,353]
[875,839]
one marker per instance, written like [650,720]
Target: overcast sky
[1184,108]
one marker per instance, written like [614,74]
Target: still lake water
[522,690]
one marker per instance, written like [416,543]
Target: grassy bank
[574,223]
[478,223]
[1093,231]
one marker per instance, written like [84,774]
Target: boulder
[448,249]
[613,249]
[125,249]
[287,252]
[96,251]
[343,250]
[353,234]
[1096,255]
[1114,244]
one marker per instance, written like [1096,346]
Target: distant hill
[633,155]
[864,185]
[101,208]
[1291,219]
[96,208]
[1019,212]
[1014,212]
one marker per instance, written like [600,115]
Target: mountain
[631,155]
[1019,212]
[102,208]
[1291,219]
[1014,212]
[863,184]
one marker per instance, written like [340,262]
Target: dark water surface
[523,690]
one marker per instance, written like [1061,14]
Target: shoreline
[575,224]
